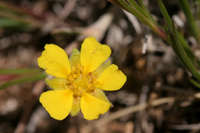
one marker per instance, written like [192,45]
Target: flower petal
[75,57]
[56,83]
[111,78]
[92,107]
[100,95]
[55,61]
[93,54]
[102,67]
[58,103]
[75,107]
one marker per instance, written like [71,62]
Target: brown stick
[37,89]
[133,109]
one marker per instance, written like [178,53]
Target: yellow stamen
[80,82]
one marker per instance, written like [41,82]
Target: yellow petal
[93,54]
[100,95]
[111,78]
[56,83]
[58,103]
[75,107]
[75,57]
[92,107]
[55,61]
[102,67]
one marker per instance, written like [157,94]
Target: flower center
[80,82]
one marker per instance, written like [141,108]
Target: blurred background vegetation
[156,44]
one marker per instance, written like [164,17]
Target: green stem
[178,43]
[184,57]
[198,9]
[142,9]
[170,29]
[191,21]
[134,9]
[195,83]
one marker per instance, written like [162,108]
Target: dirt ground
[157,97]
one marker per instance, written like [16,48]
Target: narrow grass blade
[26,79]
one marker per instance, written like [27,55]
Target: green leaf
[179,45]
[20,80]
[190,19]
[19,71]
[11,23]
[195,83]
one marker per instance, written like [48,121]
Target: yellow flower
[78,82]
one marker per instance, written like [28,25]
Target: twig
[133,109]
[134,22]
[141,122]
[187,127]
[37,89]
[98,29]
[68,8]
